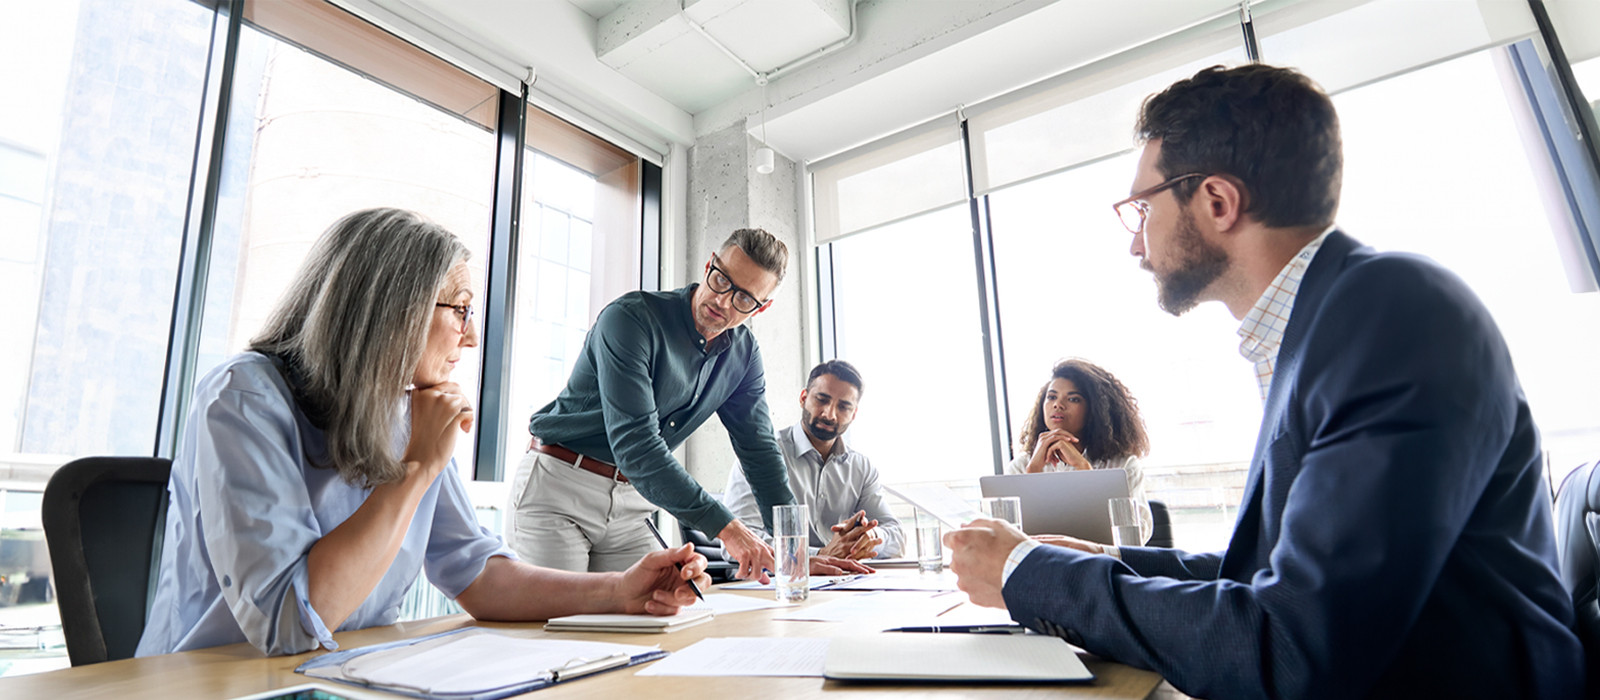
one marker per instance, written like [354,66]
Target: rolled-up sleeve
[458,547]
[258,520]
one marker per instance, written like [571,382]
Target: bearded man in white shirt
[850,518]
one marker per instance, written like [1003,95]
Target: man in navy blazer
[1395,537]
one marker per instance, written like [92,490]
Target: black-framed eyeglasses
[1132,211]
[744,302]
[464,311]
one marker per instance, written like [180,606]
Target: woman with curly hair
[1085,419]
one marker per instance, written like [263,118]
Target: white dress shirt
[834,488]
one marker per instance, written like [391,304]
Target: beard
[1199,264]
[820,431]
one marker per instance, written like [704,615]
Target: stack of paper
[630,623]
[955,657]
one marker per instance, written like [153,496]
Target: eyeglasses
[744,302]
[462,310]
[1133,210]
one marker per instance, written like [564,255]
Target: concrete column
[726,193]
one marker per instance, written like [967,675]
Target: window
[97,134]
[1069,288]
[907,317]
[579,249]
[311,140]
[1502,245]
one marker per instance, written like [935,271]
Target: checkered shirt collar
[1261,333]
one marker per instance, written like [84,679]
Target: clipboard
[482,665]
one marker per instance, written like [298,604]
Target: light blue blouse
[246,506]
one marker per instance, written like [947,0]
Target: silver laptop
[1063,503]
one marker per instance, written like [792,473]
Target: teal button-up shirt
[645,381]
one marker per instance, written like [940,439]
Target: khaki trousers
[563,517]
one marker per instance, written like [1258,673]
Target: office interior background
[942,172]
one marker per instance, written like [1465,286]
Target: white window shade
[1577,24]
[1088,114]
[911,173]
[1345,43]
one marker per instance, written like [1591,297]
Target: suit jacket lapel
[1314,285]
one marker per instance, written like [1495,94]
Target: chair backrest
[1160,525]
[1577,514]
[718,568]
[103,520]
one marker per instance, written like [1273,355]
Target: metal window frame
[1576,156]
[498,309]
[188,304]
[500,301]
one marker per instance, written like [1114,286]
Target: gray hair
[762,248]
[351,329]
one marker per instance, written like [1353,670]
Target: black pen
[965,629]
[652,525]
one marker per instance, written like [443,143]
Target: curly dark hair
[1112,427]
[1270,128]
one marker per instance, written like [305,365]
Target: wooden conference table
[238,669]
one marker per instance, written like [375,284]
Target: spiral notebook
[473,664]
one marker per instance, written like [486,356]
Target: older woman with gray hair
[314,478]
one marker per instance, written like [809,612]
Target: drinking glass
[930,549]
[1125,522]
[1007,508]
[791,534]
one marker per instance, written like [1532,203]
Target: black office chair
[1578,550]
[103,521]
[1160,525]
[720,569]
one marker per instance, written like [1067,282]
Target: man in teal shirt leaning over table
[654,367]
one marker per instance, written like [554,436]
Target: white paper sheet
[817,583]
[887,607]
[900,580]
[745,656]
[724,603]
[938,500]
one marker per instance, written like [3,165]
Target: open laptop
[1063,503]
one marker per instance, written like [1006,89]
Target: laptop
[1063,503]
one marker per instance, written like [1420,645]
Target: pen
[652,525]
[965,629]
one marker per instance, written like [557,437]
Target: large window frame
[1548,85]
[398,64]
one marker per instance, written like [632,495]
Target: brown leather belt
[588,464]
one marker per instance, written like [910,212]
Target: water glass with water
[1007,508]
[791,534]
[930,548]
[1125,530]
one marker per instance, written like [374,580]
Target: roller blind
[1343,44]
[1088,113]
[1577,25]
[913,172]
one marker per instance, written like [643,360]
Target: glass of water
[930,549]
[1007,508]
[791,534]
[1125,522]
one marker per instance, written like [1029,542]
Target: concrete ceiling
[652,65]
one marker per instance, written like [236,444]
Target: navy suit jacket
[1395,537]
